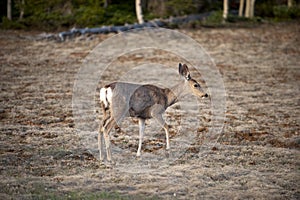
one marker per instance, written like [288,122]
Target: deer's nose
[204,96]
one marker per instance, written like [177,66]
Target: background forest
[62,14]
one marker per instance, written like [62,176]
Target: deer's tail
[106,96]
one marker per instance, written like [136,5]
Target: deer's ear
[184,71]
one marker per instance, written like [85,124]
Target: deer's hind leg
[165,126]
[106,130]
[101,129]
[100,142]
[106,114]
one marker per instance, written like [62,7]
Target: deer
[142,101]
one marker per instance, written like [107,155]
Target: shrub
[120,14]
[264,9]
[215,18]
[89,16]
[179,7]
[9,24]
[285,13]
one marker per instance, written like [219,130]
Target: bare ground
[257,156]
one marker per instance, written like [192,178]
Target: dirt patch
[257,155]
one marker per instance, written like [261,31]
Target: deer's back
[144,99]
[138,100]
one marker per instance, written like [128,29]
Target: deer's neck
[175,93]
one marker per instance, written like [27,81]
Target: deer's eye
[196,85]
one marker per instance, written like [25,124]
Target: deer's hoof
[101,158]
[167,154]
[110,164]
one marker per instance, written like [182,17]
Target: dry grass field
[257,156]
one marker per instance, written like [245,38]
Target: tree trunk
[22,7]
[241,9]
[247,11]
[252,8]
[290,3]
[139,12]
[9,10]
[225,10]
[105,3]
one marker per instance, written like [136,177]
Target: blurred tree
[20,5]
[106,3]
[179,7]
[225,10]
[139,11]
[252,6]
[9,16]
[249,11]
[57,14]
[166,8]
[156,7]
[241,9]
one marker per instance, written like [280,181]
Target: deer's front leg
[157,114]
[162,122]
[141,135]
[166,128]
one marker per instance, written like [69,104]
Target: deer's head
[192,83]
